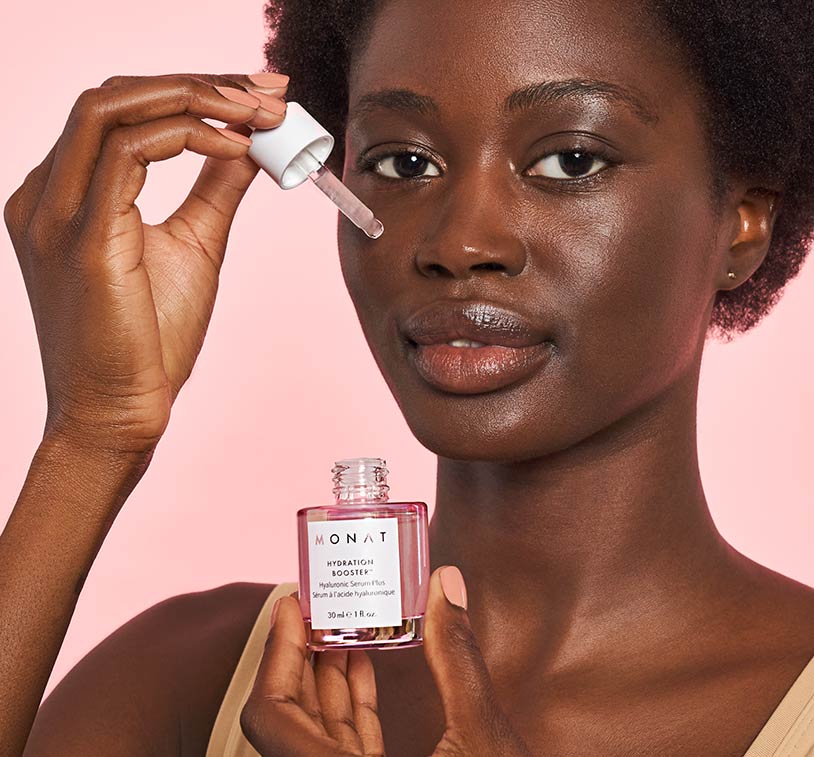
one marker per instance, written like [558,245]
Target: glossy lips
[512,347]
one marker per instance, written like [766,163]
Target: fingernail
[234,136]
[265,120]
[273,91]
[238,96]
[265,79]
[452,582]
[274,613]
[269,103]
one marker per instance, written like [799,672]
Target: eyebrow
[403,100]
[543,93]
[526,98]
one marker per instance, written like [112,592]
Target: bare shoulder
[784,607]
[763,647]
[155,685]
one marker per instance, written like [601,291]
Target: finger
[22,204]
[122,166]
[270,97]
[269,82]
[260,80]
[280,672]
[454,657]
[273,718]
[362,684]
[209,208]
[309,698]
[276,85]
[331,671]
[37,178]
[134,101]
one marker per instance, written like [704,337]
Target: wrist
[83,447]
[98,476]
[99,439]
[126,427]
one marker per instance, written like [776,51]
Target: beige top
[789,732]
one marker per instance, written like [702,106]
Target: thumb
[454,657]
[210,206]
[475,722]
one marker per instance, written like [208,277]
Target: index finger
[279,675]
[129,101]
[277,717]
[265,81]
[271,83]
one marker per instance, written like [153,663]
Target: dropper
[347,202]
[295,151]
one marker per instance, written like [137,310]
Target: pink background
[284,384]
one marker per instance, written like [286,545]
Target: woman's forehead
[484,50]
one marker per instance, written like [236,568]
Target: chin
[495,427]
[529,421]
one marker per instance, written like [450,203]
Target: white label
[355,573]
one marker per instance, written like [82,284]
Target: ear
[750,237]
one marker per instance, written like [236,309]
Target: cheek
[377,271]
[372,275]
[636,283]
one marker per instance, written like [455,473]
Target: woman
[593,187]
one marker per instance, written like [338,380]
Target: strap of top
[227,740]
[789,732]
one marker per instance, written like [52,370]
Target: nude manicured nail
[269,103]
[234,136]
[239,96]
[273,91]
[452,582]
[265,79]
[265,120]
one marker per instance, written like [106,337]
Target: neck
[575,544]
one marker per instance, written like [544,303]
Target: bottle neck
[361,479]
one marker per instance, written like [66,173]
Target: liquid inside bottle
[364,563]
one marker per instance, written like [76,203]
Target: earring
[732,275]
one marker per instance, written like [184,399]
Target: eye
[575,164]
[404,165]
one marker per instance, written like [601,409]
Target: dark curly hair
[753,60]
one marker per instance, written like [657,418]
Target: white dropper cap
[296,150]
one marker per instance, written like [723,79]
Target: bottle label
[355,573]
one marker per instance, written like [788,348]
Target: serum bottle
[364,563]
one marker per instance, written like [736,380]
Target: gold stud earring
[732,275]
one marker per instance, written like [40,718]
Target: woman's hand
[330,710]
[295,709]
[122,307]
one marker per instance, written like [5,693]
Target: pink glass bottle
[364,563]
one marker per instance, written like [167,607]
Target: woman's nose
[473,233]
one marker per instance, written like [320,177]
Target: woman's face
[556,170]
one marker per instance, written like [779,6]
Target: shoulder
[154,685]
[783,609]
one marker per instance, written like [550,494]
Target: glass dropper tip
[374,229]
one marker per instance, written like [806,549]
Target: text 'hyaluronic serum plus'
[364,563]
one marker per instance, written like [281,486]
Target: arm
[67,504]
[121,310]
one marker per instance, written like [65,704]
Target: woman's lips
[474,370]
[470,347]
